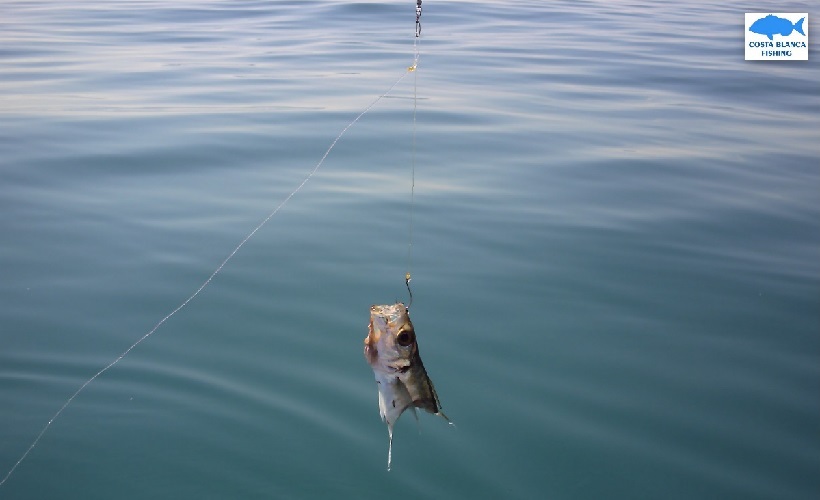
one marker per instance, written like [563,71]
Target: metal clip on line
[418,18]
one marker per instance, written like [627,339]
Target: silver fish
[391,349]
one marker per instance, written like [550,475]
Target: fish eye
[405,337]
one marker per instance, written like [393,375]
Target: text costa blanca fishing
[779,45]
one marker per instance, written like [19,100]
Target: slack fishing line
[285,200]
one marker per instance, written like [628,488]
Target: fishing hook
[407,283]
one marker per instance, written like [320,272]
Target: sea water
[615,250]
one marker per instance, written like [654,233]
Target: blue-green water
[616,250]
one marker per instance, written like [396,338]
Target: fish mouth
[371,353]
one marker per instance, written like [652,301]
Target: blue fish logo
[772,25]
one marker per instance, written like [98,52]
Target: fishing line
[212,276]
[413,68]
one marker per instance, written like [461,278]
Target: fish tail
[798,26]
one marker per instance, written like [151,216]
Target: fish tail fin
[798,26]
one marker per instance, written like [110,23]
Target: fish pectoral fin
[389,446]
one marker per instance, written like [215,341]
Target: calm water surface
[616,250]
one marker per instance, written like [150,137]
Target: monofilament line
[414,69]
[412,174]
[205,283]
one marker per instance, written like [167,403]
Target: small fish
[391,349]
[772,25]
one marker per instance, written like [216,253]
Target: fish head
[391,339]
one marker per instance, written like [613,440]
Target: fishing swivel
[418,18]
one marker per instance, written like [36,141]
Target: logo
[777,37]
